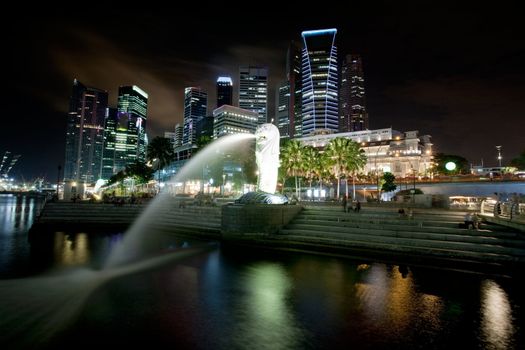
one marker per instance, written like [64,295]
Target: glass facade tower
[85,133]
[125,140]
[133,106]
[282,109]
[253,91]
[195,108]
[224,91]
[352,102]
[320,105]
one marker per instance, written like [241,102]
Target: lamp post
[223,180]
[377,173]
[58,179]
[413,170]
[499,155]
[414,189]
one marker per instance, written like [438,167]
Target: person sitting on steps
[475,221]
[468,221]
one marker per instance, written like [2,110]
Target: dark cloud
[106,65]
[467,116]
[447,69]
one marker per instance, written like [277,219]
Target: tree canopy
[519,162]
[462,164]
[160,152]
[388,182]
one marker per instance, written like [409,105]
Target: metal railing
[511,211]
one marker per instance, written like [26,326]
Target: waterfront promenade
[379,232]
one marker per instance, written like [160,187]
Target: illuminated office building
[282,109]
[352,102]
[85,133]
[224,91]
[320,105]
[195,108]
[253,91]
[233,120]
[125,139]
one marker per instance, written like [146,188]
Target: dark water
[231,298]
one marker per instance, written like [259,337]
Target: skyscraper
[288,95]
[233,120]
[282,109]
[178,135]
[253,91]
[113,135]
[352,104]
[125,140]
[224,91]
[293,75]
[85,133]
[195,108]
[133,106]
[320,82]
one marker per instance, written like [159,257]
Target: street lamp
[223,180]
[414,188]
[499,155]
[377,171]
[58,179]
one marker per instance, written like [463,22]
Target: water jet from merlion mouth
[137,243]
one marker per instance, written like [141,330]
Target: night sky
[454,72]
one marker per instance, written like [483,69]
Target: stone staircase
[433,233]
[203,221]
[85,214]
[169,218]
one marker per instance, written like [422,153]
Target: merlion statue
[267,156]
[267,159]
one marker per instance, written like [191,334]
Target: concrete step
[407,225]
[379,242]
[404,232]
[482,257]
[331,214]
[380,221]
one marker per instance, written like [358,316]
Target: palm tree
[292,160]
[320,170]
[310,159]
[160,152]
[356,160]
[337,155]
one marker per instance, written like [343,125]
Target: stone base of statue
[260,197]
[251,219]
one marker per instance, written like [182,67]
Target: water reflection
[17,213]
[16,217]
[496,316]
[230,300]
[71,250]
[269,318]
[391,302]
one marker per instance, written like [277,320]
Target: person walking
[358,206]
[345,203]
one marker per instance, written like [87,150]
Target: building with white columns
[404,154]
